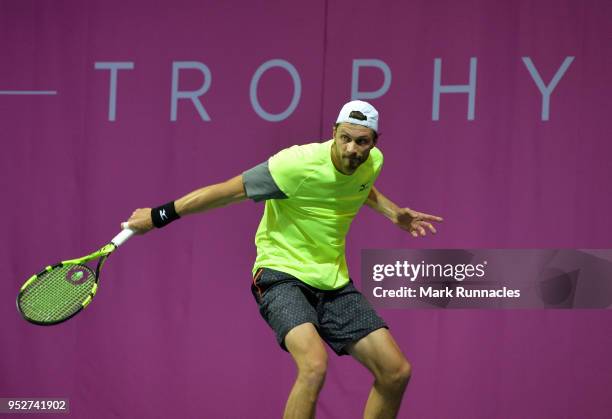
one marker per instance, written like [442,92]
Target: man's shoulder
[290,166]
[377,158]
[376,152]
[311,147]
[302,153]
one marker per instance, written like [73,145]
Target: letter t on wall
[114,68]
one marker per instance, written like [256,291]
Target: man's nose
[352,148]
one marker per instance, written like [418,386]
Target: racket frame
[103,253]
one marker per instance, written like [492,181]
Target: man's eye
[345,137]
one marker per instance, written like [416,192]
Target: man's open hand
[415,222]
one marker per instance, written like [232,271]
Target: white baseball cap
[368,111]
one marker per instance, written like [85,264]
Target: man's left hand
[415,222]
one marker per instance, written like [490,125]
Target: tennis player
[300,282]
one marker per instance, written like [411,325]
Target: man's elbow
[234,189]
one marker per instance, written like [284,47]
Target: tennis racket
[61,291]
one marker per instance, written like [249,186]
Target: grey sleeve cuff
[259,184]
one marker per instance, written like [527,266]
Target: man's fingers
[431,227]
[419,230]
[430,217]
[417,222]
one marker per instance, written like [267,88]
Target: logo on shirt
[363,186]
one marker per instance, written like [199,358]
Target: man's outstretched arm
[213,196]
[405,218]
[203,199]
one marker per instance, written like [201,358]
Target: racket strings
[57,294]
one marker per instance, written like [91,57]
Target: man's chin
[350,168]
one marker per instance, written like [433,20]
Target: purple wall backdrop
[179,335]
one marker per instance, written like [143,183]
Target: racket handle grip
[122,237]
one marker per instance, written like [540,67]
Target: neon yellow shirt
[304,235]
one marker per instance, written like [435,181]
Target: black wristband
[164,215]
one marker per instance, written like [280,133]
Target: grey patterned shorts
[341,316]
